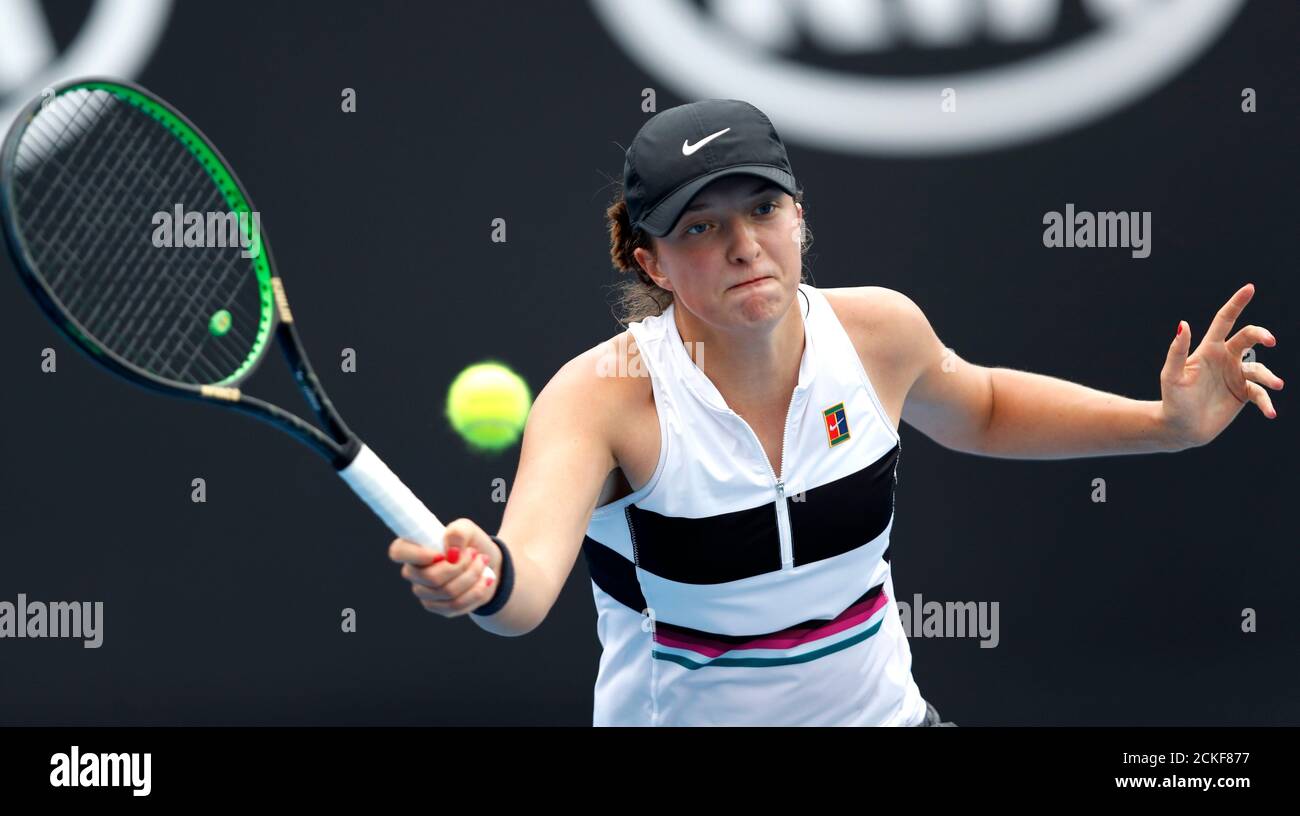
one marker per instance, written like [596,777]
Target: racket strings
[111,286]
[153,139]
[173,287]
[129,327]
[93,171]
[59,218]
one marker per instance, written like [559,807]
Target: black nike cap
[681,150]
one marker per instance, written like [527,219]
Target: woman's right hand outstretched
[454,584]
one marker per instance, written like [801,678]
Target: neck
[755,368]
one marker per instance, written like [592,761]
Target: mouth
[750,282]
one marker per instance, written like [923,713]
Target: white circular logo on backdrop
[115,40]
[732,49]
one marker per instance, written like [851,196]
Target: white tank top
[728,596]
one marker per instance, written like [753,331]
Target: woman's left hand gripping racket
[139,242]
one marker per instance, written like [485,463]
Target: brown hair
[637,295]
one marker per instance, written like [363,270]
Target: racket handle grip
[394,502]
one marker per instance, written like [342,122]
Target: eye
[773,204]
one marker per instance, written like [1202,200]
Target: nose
[744,247]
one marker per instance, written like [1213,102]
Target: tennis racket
[138,241]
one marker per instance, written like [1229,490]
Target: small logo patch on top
[837,424]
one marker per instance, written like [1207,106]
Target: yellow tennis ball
[488,404]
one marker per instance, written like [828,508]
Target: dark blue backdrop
[1126,612]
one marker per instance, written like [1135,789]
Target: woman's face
[736,230]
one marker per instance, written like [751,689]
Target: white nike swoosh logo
[688,148]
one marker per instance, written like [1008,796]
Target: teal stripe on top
[687,663]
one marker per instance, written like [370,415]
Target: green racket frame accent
[225,182]
[335,441]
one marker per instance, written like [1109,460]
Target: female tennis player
[728,463]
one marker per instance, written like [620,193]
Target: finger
[1227,316]
[425,576]
[1258,372]
[467,578]
[403,551]
[478,595]
[465,533]
[442,571]
[1260,397]
[460,534]
[1176,359]
[1248,337]
[424,593]
[450,607]
[438,607]
[446,604]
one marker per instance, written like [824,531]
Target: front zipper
[782,511]
[783,527]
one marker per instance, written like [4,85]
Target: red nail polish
[1180,329]
[453,555]
[489,582]
[438,557]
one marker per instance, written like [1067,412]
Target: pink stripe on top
[785,639]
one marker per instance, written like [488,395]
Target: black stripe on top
[844,514]
[708,550]
[826,521]
[614,574]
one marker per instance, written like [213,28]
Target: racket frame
[358,466]
[336,442]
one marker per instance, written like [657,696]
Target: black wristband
[505,583]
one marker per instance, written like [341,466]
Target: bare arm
[1032,416]
[1039,417]
[946,398]
[564,461]
[1000,412]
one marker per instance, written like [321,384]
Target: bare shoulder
[892,336]
[600,386]
[610,370]
[604,397]
[577,414]
[883,322]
